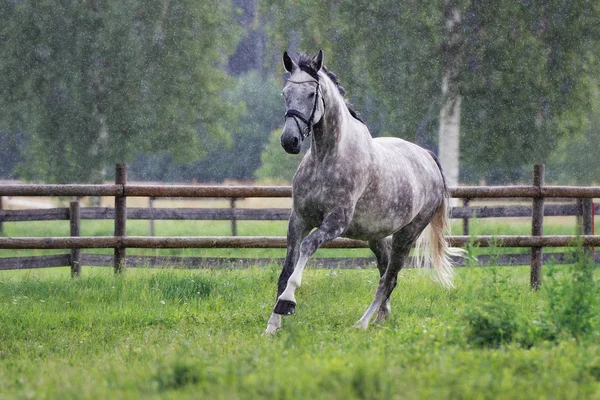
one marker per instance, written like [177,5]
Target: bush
[491,324]
[572,298]
[276,164]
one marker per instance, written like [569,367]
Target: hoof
[271,330]
[284,307]
[362,326]
[382,316]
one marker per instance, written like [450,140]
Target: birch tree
[508,79]
[449,122]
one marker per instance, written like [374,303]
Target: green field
[197,334]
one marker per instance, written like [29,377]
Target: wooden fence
[582,206]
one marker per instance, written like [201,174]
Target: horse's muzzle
[290,142]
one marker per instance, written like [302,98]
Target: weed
[367,383]
[178,374]
[491,324]
[572,299]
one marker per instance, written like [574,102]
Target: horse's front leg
[334,225]
[297,230]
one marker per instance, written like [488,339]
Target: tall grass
[197,334]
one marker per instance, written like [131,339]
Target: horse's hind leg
[402,242]
[382,249]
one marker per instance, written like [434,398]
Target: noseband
[292,113]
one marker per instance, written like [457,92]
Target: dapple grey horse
[385,190]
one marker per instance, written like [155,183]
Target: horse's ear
[288,63]
[318,60]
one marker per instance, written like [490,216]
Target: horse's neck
[335,128]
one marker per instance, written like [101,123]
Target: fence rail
[270,242]
[264,214]
[121,213]
[134,190]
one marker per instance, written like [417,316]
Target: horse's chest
[316,203]
[317,195]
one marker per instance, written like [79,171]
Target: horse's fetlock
[284,307]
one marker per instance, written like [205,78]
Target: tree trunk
[449,133]
[449,140]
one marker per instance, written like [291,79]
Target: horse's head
[304,104]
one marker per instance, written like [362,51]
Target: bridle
[292,113]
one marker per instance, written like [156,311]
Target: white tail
[432,250]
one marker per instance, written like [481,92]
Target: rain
[145,199]
[187,91]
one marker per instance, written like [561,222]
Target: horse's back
[398,156]
[405,183]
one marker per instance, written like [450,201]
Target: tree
[521,75]
[276,165]
[11,145]
[526,82]
[235,157]
[575,158]
[91,85]
[452,61]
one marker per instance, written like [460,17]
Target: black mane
[306,64]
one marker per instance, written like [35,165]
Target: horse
[387,191]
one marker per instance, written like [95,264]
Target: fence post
[233,220]
[587,220]
[1,227]
[579,217]
[466,220]
[75,223]
[151,221]
[537,226]
[120,217]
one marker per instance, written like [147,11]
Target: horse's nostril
[295,142]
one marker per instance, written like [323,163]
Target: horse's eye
[310,96]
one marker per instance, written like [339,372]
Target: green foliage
[181,373]
[11,146]
[527,72]
[526,82]
[572,301]
[384,57]
[575,158]
[236,156]
[102,336]
[94,84]
[568,310]
[277,165]
[491,324]
[240,157]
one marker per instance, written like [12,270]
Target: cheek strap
[292,113]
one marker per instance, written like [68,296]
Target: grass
[197,334]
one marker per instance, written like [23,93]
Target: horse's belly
[374,225]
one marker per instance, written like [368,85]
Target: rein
[292,113]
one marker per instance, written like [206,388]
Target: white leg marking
[294,281]
[384,312]
[363,322]
[274,324]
